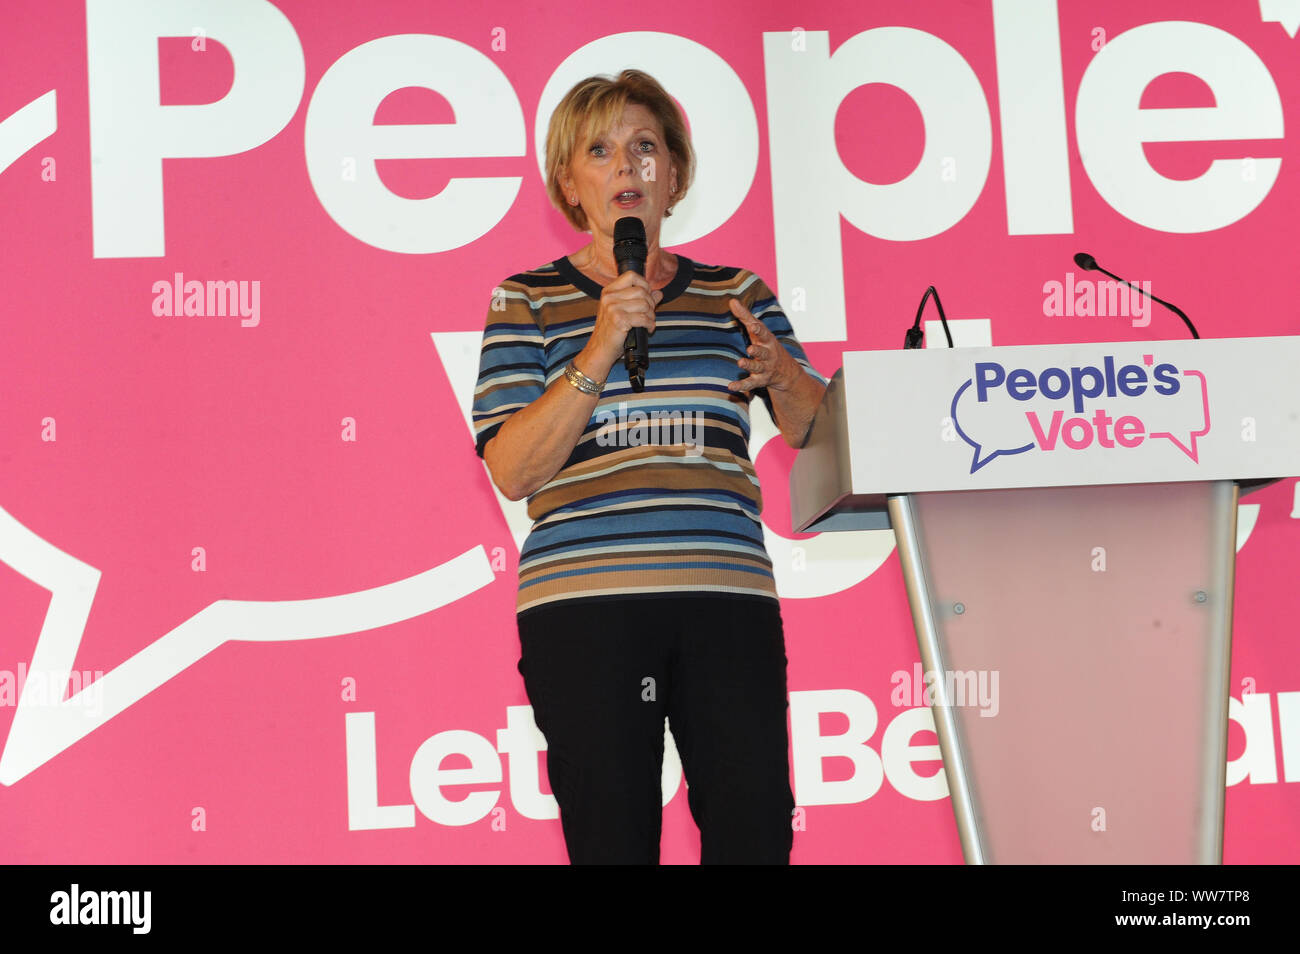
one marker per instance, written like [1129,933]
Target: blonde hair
[596,104]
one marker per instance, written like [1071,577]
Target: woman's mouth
[627,199]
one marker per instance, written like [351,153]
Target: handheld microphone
[1089,264]
[630,252]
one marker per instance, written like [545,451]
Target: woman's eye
[647,143]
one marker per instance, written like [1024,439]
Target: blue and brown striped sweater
[659,497]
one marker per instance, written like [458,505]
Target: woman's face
[626,170]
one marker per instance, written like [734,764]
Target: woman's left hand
[769,364]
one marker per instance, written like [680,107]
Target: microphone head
[1085,261]
[629,229]
[630,248]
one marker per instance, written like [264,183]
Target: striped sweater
[659,497]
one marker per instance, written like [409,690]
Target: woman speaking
[645,591]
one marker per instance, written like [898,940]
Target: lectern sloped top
[1046,416]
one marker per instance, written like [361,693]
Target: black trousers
[603,675]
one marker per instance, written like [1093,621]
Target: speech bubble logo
[997,423]
[1080,408]
[1191,406]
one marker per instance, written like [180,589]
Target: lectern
[1066,525]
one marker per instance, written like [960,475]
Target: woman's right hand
[625,303]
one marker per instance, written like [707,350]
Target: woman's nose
[628,160]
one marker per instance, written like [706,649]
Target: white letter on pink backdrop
[428,776]
[811,188]
[521,742]
[1288,726]
[810,747]
[898,754]
[364,811]
[1111,128]
[1258,760]
[1031,98]
[131,134]
[340,126]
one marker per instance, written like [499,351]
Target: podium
[1065,517]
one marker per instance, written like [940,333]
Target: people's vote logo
[1117,408]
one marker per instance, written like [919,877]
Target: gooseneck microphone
[1089,264]
[630,253]
[915,336]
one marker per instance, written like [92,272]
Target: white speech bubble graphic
[40,731]
[1283,12]
[26,127]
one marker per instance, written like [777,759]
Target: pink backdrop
[176,490]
